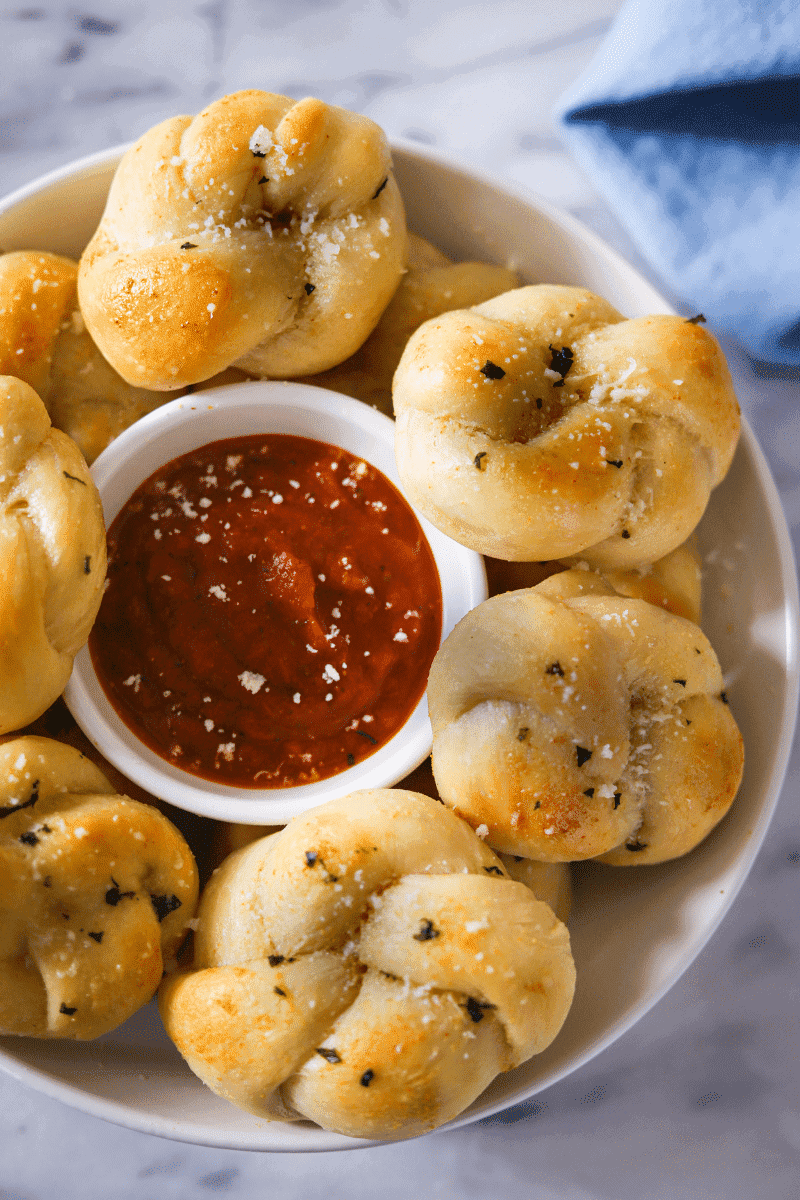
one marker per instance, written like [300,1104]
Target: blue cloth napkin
[688,121]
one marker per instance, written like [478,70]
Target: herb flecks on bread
[543,425]
[52,555]
[371,967]
[264,233]
[96,894]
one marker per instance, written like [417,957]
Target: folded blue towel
[689,122]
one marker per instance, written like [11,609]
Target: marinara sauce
[271,613]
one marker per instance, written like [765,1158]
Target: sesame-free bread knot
[264,232]
[573,723]
[96,892]
[43,340]
[371,967]
[52,555]
[543,425]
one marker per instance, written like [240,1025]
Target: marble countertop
[701,1098]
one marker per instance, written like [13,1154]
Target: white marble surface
[700,1099]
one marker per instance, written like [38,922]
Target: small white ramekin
[184,425]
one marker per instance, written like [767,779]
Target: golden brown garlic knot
[52,555]
[96,892]
[371,967]
[573,723]
[543,425]
[263,232]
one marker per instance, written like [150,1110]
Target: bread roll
[96,892]
[543,425]
[43,340]
[572,722]
[370,967]
[264,233]
[52,555]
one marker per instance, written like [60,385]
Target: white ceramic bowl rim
[183,425]
[667,913]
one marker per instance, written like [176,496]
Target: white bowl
[184,425]
[634,931]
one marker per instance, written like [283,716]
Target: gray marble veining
[700,1099]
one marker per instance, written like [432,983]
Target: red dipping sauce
[271,612]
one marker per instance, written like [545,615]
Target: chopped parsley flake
[427,932]
[561,362]
[164,905]
[476,1008]
[114,895]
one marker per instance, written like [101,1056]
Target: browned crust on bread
[610,458]
[372,967]
[96,893]
[264,232]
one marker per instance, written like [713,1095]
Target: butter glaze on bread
[573,723]
[52,555]
[370,967]
[96,892]
[610,458]
[44,341]
[264,233]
